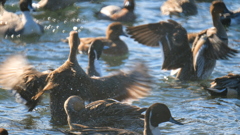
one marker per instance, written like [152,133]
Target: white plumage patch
[18,97]
[154,130]
[97,65]
[30,26]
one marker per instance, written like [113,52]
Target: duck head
[129,4]
[94,53]
[72,106]
[156,114]
[114,30]
[218,7]
[26,5]
[95,49]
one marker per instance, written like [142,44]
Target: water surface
[188,102]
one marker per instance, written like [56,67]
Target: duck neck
[69,122]
[148,128]
[73,55]
[112,36]
[221,32]
[93,65]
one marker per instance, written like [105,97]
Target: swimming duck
[192,64]
[115,13]
[216,9]
[94,53]
[53,4]
[177,7]
[103,113]
[3,131]
[13,24]
[106,116]
[227,86]
[70,79]
[116,47]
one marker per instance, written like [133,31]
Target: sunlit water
[188,101]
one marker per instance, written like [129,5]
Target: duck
[216,9]
[115,13]
[114,45]
[70,79]
[196,63]
[110,116]
[178,7]
[3,131]
[24,24]
[103,113]
[226,86]
[94,53]
[53,5]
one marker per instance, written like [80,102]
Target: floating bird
[109,116]
[227,86]
[115,46]
[115,13]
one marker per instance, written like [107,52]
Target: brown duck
[177,7]
[110,116]
[70,79]
[115,46]
[216,8]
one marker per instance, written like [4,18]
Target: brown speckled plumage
[70,79]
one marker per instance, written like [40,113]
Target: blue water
[188,102]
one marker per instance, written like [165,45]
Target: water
[188,102]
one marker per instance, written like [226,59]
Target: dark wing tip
[147,34]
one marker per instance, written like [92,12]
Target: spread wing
[172,37]
[121,86]
[207,46]
[16,74]
[147,34]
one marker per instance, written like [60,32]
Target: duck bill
[174,121]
